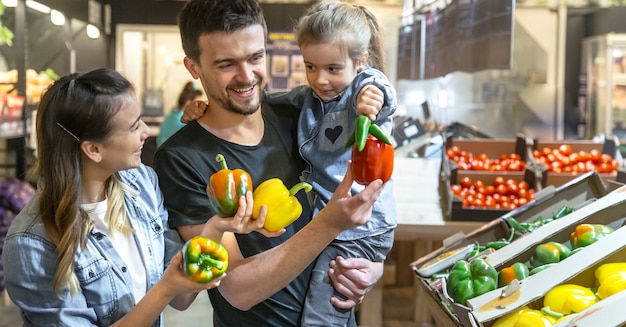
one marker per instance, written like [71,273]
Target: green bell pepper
[204,259]
[517,271]
[587,234]
[550,252]
[471,279]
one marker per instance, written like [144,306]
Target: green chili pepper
[564,211]
[361,131]
[363,127]
[496,245]
[378,133]
[550,252]
[468,280]
[541,268]
[520,227]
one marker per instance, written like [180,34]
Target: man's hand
[344,211]
[369,101]
[241,223]
[353,278]
[193,110]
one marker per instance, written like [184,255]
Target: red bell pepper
[374,162]
[372,152]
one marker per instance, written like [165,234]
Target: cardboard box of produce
[483,161]
[577,193]
[606,210]
[493,148]
[566,160]
[577,269]
[462,210]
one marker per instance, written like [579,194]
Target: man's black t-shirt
[184,164]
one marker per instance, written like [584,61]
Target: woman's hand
[369,101]
[353,278]
[178,283]
[193,110]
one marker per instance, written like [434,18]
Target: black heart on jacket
[333,133]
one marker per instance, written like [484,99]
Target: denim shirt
[105,294]
[323,130]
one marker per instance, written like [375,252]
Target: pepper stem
[207,261]
[302,185]
[549,312]
[220,158]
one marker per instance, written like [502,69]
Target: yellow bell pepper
[611,279]
[525,317]
[569,298]
[283,208]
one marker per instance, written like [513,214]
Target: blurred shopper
[171,123]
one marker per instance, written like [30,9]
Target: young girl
[91,247]
[341,46]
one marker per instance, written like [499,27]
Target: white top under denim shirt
[323,130]
[106,288]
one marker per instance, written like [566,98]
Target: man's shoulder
[280,111]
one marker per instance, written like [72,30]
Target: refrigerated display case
[604,78]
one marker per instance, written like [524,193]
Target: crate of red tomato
[565,161]
[487,155]
[486,177]
[490,196]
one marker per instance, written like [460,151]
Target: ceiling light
[10,3]
[92,31]
[38,6]
[57,18]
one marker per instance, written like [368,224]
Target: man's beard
[250,106]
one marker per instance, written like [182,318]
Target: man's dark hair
[200,17]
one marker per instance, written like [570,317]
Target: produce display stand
[577,269]
[585,193]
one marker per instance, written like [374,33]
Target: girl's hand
[194,110]
[369,101]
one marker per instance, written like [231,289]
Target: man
[267,279]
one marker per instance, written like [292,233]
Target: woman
[90,248]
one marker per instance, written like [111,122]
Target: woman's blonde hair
[76,108]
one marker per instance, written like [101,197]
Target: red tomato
[512,189]
[466,182]
[605,157]
[595,155]
[456,189]
[565,149]
[502,189]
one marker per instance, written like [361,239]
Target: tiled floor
[200,310]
